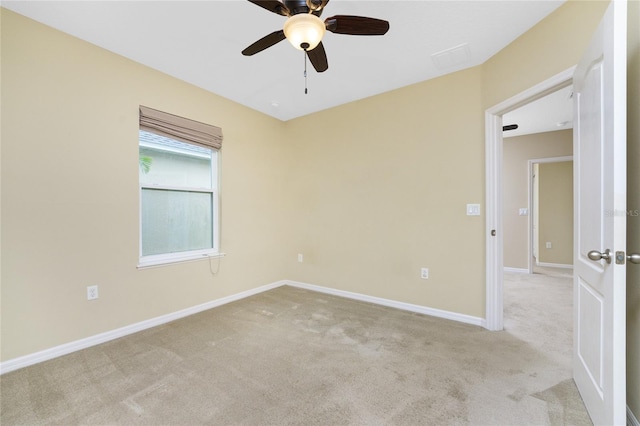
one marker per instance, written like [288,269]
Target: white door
[600,220]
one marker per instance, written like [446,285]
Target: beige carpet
[292,356]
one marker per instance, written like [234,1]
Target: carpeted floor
[292,356]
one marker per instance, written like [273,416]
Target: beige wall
[383,192]
[70,192]
[517,151]
[554,45]
[556,212]
[633,204]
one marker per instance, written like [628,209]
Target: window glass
[176,221]
[178,201]
[174,163]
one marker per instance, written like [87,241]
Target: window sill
[156,262]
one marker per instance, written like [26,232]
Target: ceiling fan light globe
[304,31]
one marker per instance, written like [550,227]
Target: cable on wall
[217,266]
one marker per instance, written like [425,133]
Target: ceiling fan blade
[318,58]
[356,25]
[266,41]
[273,6]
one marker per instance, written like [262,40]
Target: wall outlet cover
[92,292]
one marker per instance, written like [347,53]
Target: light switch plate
[424,273]
[523,211]
[473,209]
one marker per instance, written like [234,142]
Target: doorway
[551,219]
[494,191]
[524,157]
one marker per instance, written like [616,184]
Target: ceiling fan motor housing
[305,6]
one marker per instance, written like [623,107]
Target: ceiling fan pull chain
[305,71]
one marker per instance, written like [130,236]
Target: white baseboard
[516,270]
[467,319]
[554,265]
[67,348]
[631,419]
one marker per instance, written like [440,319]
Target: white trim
[632,420]
[67,348]
[454,316]
[554,265]
[493,182]
[552,159]
[177,188]
[493,243]
[191,256]
[516,270]
[531,217]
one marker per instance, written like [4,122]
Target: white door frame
[530,207]
[494,245]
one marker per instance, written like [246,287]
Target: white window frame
[192,255]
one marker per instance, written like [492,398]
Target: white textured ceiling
[200,42]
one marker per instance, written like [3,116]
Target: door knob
[634,258]
[596,255]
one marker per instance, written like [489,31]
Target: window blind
[180,128]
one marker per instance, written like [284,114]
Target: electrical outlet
[548,245]
[300,258]
[424,273]
[92,292]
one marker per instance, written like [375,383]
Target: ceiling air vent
[452,57]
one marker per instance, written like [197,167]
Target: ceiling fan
[304,29]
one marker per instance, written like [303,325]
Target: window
[178,197]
